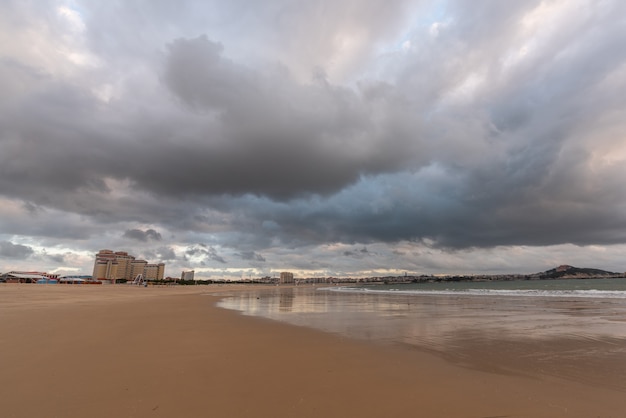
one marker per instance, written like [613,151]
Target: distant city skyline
[347,139]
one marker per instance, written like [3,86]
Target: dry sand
[121,351]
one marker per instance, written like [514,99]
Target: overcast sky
[242,138]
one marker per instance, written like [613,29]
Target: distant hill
[566,272]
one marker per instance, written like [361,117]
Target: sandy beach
[121,351]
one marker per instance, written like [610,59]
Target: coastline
[579,338]
[164,352]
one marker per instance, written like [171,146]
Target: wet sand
[579,339]
[116,351]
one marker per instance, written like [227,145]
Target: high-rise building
[286,277]
[138,267]
[154,271]
[120,265]
[105,266]
[187,275]
[124,265]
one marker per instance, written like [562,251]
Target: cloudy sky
[350,138]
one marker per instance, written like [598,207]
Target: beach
[123,351]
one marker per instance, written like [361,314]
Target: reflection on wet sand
[286,300]
[577,339]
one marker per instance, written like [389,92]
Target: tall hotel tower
[120,265]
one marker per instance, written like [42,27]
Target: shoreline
[581,340]
[171,352]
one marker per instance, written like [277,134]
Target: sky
[343,138]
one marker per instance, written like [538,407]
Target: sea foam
[590,293]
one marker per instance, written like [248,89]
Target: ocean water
[531,308]
[574,329]
[564,288]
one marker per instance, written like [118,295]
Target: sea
[561,288]
[570,328]
[530,307]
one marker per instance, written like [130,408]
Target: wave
[591,293]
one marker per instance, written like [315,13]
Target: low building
[24,277]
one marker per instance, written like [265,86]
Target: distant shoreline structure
[563,272]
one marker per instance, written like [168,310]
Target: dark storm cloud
[363,252]
[205,253]
[53,155]
[251,256]
[57,258]
[139,235]
[271,136]
[166,253]
[36,220]
[439,207]
[9,250]
[162,254]
[263,134]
